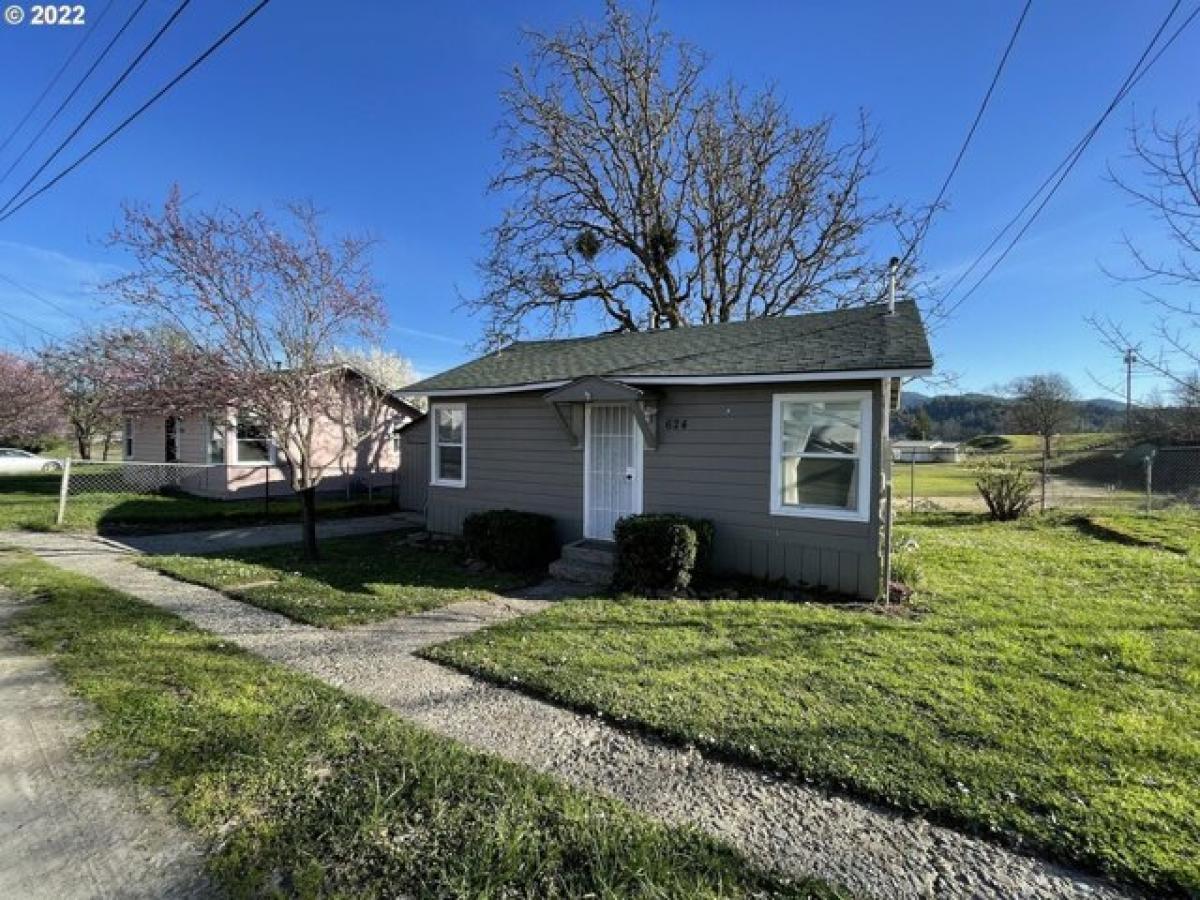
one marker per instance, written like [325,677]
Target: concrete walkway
[214,541]
[66,833]
[778,823]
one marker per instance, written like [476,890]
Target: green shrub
[661,551]
[511,540]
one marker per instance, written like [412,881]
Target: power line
[1140,68]
[5,215]
[71,96]
[57,75]
[36,296]
[28,324]
[987,97]
[96,106]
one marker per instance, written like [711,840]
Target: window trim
[211,424]
[237,460]
[865,457]
[434,480]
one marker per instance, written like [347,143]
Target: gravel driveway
[65,832]
[779,823]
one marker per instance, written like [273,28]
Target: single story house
[227,454]
[926,451]
[775,429]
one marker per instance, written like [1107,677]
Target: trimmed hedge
[661,551]
[511,540]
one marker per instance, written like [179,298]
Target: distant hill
[961,416]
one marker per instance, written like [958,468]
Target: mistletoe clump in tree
[637,191]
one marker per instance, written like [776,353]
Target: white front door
[612,469]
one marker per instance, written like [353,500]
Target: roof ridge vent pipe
[893,267]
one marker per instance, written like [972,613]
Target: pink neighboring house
[235,457]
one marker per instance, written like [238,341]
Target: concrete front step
[589,552]
[581,572]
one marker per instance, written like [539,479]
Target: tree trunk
[308,518]
[84,440]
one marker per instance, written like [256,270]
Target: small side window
[449,445]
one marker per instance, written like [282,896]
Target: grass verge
[357,580]
[1048,693]
[302,790]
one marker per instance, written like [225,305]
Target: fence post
[1149,483]
[1044,476]
[266,492]
[62,491]
[912,484]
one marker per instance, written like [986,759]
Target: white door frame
[638,467]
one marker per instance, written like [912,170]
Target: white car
[21,462]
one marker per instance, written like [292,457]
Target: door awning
[594,389]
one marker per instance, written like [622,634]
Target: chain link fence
[108,484]
[1141,478]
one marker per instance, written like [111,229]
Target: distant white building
[927,451]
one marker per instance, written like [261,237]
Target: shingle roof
[845,340]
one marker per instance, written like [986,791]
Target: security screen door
[612,469]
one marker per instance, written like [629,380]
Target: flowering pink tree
[90,384]
[257,308]
[30,406]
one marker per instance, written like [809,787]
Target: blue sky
[383,113]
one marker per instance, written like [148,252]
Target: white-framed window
[253,445]
[448,445]
[214,441]
[128,437]
[821,455]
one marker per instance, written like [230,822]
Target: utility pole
[1130,359]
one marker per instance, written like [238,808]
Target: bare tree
[635,191]
[89,382]
[30,405]
[1167,184]
[263,305]
[1043,405]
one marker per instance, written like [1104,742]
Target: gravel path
[66,832]
[779,823]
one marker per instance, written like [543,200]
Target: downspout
[885,450]
[885,480]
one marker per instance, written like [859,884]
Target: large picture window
[449,445]
[254,445]
[820,455]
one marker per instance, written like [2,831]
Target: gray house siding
[413,484]
[718,468]
[518,458]
[713,460]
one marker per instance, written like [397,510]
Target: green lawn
[932,480]
[299,789]
[1031,444]
[1047,691]
[357,579]
[31,502]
